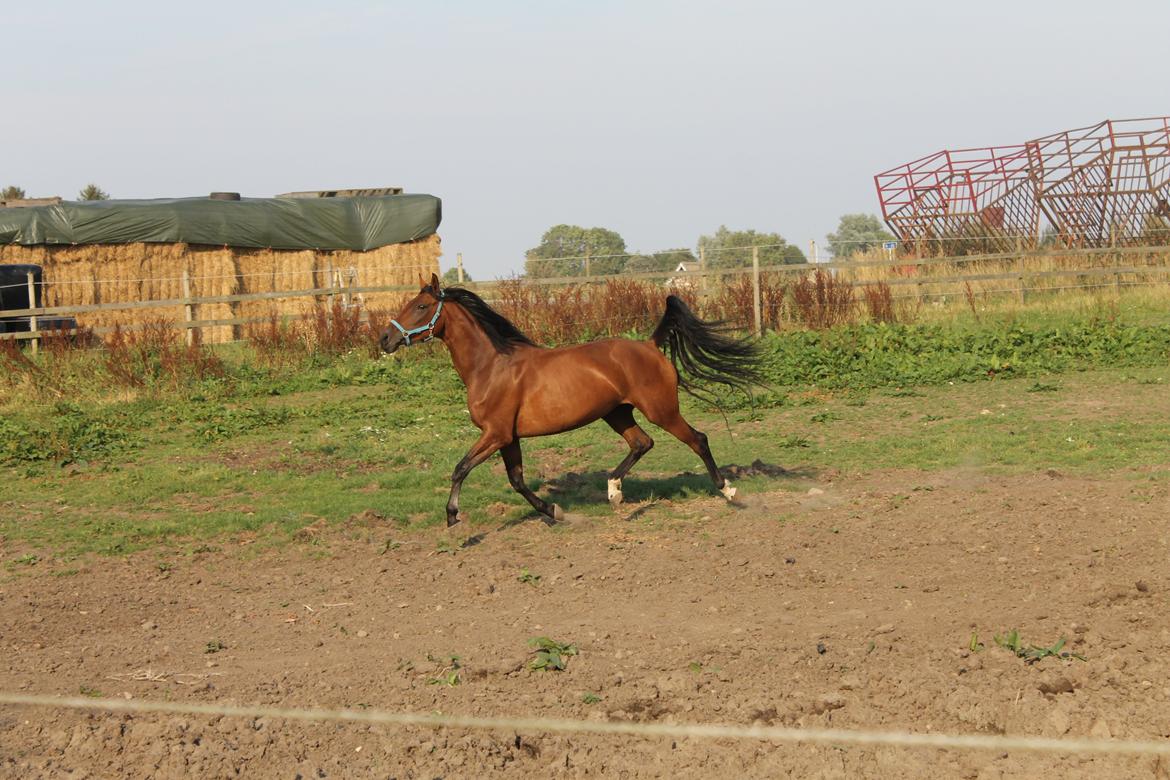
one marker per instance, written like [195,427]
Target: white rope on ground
[904,739]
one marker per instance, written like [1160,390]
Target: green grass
[268,452]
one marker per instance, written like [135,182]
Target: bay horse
[516,389]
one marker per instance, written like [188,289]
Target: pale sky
[661,120]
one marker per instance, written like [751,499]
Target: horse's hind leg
[514,463]
[622,421]
[673,423]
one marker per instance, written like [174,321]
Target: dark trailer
[14,296]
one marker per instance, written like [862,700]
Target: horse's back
[625,362]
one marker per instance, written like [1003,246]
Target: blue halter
[429,328]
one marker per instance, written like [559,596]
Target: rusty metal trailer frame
[1103,185]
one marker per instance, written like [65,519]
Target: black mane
[503,334]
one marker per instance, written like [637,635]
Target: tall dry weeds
[153,355]
[823,300]
[879,303]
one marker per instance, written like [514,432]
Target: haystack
[122,273]
[334,243]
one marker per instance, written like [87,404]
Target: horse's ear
[422,282]
[435,282]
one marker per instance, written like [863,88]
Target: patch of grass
[266,450]
[590,698]
[528,577]
[1043,387]
[1011,640]
[448,674]
[549,654]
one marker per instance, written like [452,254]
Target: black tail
[703,352]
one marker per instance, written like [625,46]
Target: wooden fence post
[459,265]
[189,309]
[703,269]
[587,261]
[756,288]
[32,304]
[1021,278]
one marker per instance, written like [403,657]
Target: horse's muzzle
[391,340]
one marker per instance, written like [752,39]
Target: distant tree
[93,192]
[451,276]
[857,233]
[1049,237]
[12,193]
[666,260]
[732,248]
[562,252]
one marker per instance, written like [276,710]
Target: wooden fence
[911,276]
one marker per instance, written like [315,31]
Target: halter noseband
[429,328]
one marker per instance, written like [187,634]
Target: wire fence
[922,280]
[815,736]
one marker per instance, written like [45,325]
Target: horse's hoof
[558,514]
[615,492]
[727,490]
[452,520]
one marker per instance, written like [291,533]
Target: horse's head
[418,320]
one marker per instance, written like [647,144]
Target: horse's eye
[422,305]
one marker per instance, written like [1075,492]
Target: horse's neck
[471,350]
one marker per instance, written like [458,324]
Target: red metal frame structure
[1104,185]
[985,194]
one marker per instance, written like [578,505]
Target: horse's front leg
[483,449]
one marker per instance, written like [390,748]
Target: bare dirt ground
[851,608]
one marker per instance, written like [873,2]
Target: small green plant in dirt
[449,672]
[551,655]
[214,646]
[590,698]
[824,417]
[92,693]
[528,577]
[27,560]
[1011,640]
[1043,387]
[792,441]
[974,645]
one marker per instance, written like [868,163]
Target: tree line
[89,192]
[564,249]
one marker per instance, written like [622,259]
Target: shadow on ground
[576,489]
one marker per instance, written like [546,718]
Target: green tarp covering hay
[357,224]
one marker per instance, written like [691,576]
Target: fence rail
[912,276]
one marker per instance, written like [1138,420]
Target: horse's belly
[555,411]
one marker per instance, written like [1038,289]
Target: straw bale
[114,273]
